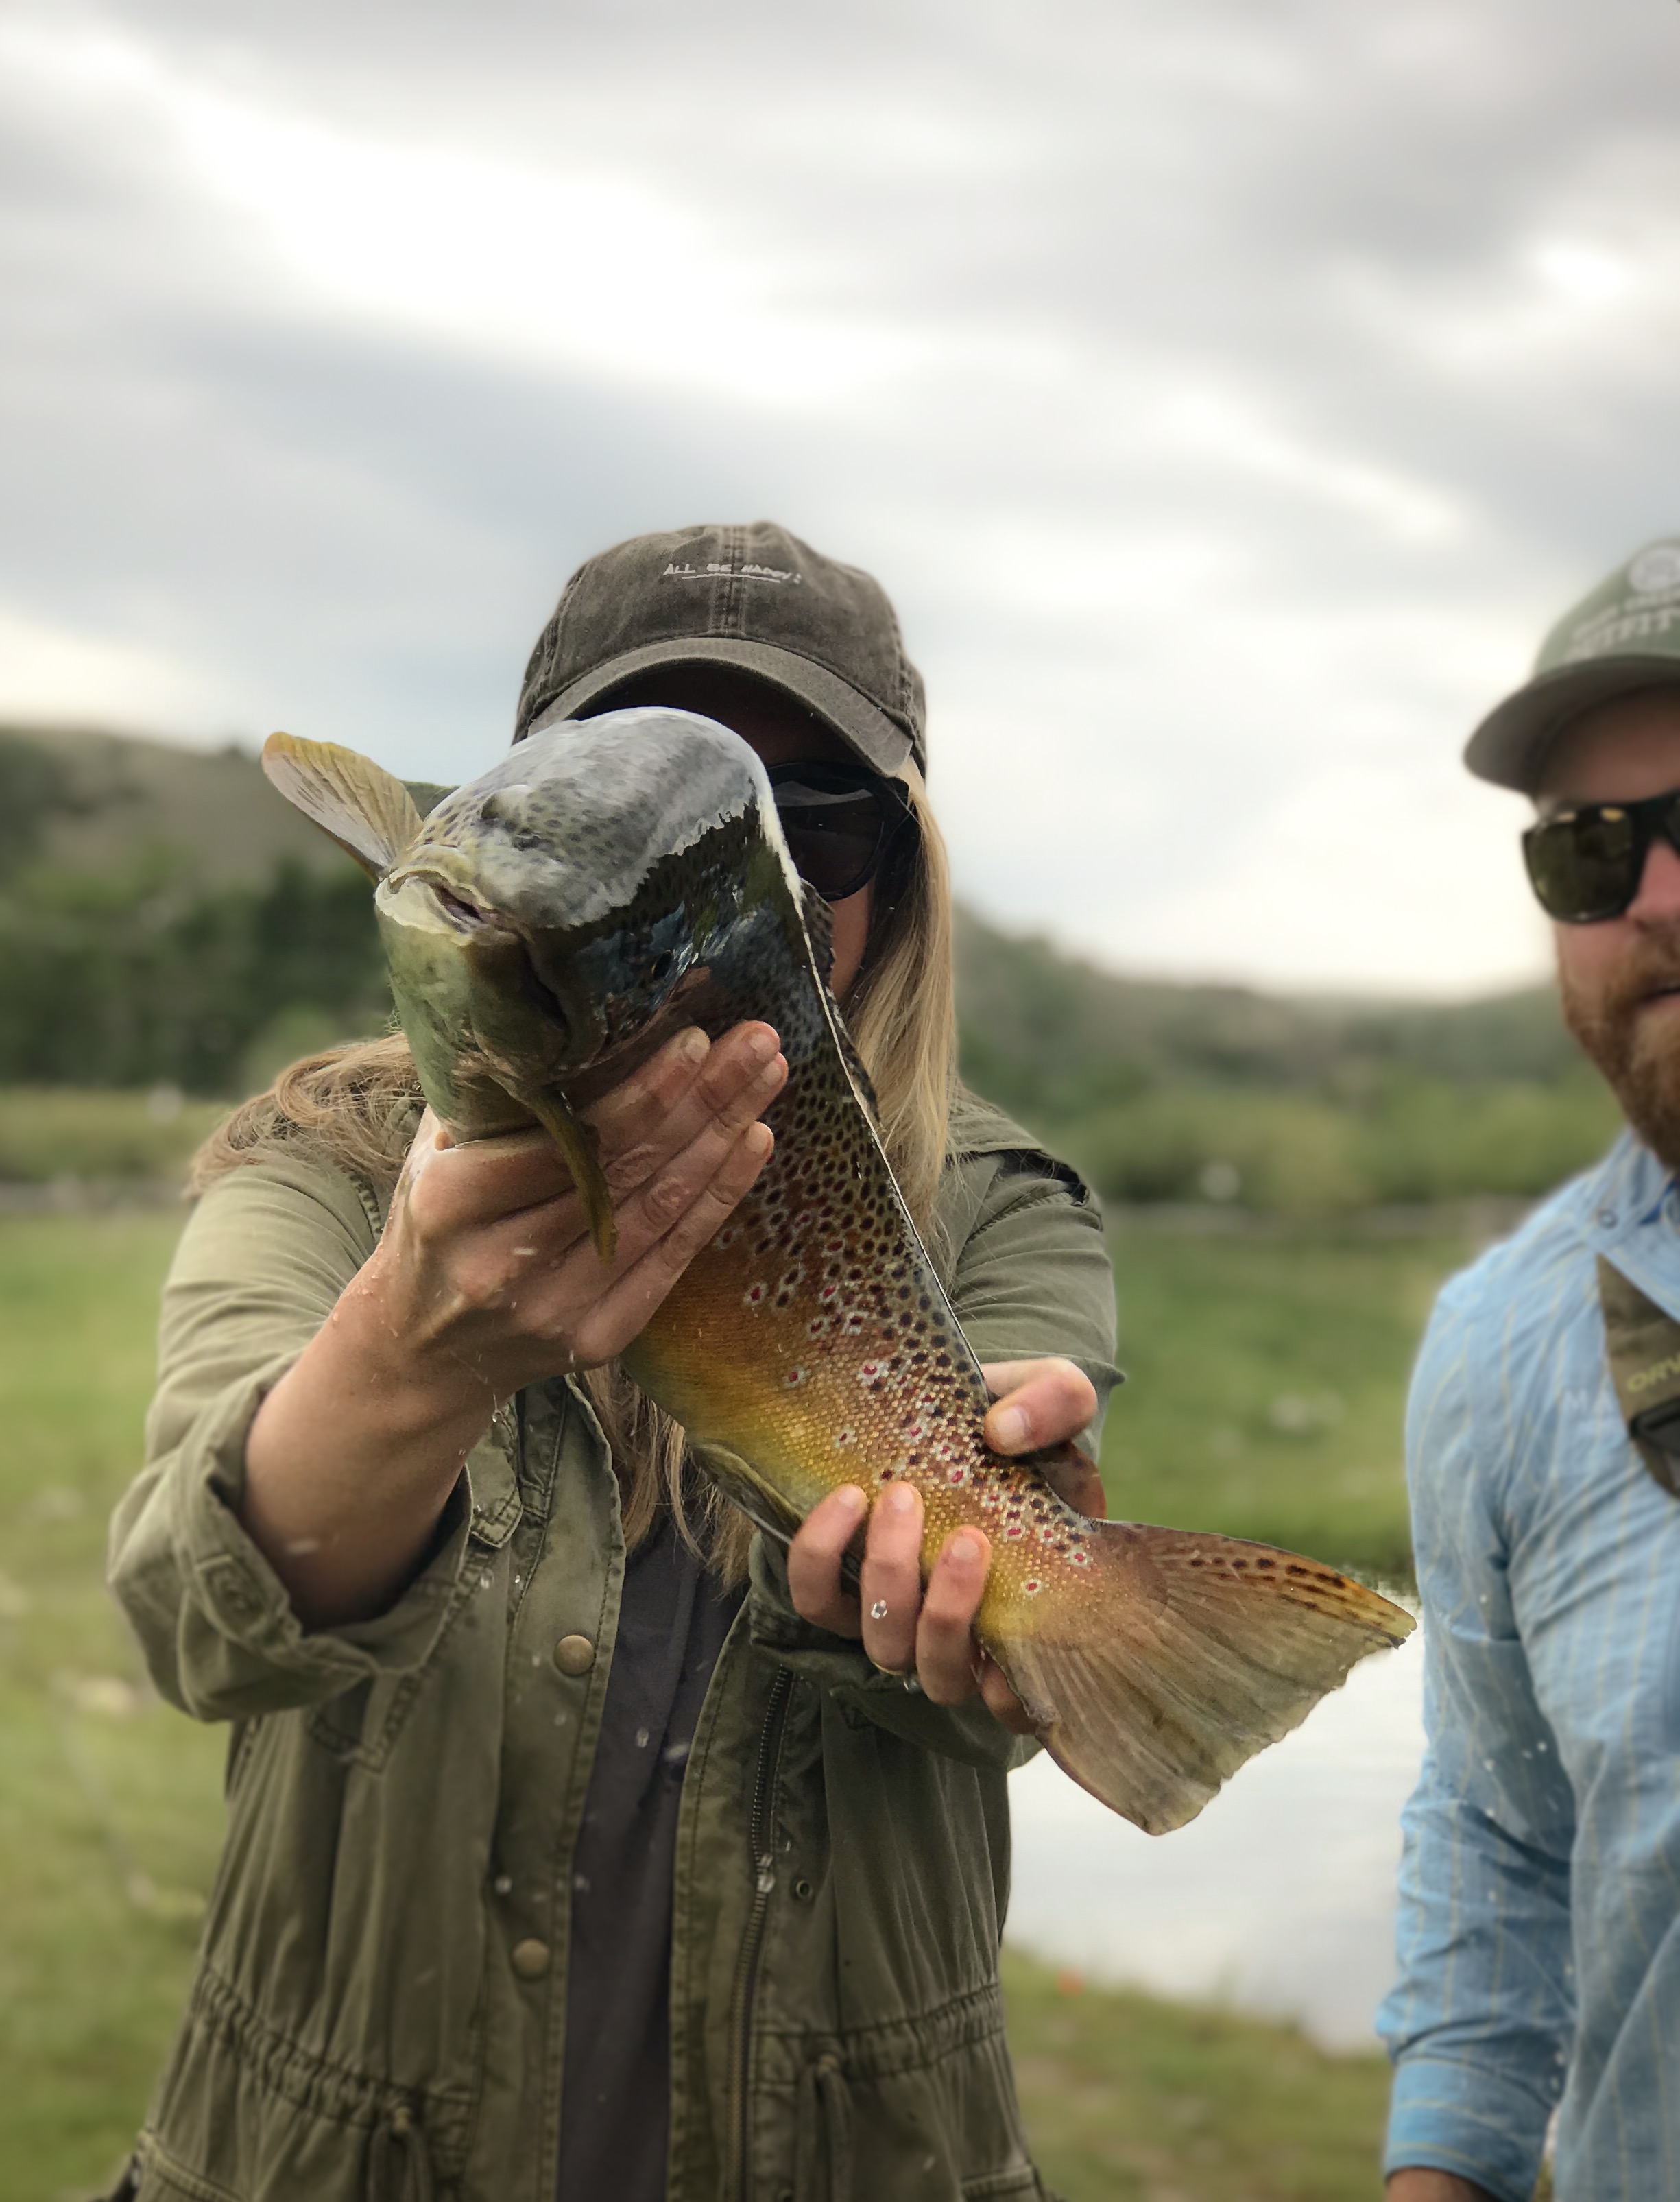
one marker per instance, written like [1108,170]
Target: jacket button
[530,1959]
[575,1655]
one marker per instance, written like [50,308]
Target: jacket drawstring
[824,2136]
[401,2162]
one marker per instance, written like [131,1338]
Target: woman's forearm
[352,1460]
[487,1280]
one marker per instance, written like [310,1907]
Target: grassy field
[1267,1378]
[109,1802]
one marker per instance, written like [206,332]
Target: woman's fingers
[814,1580]
[1038,1404]
[688,1090]
[620,1304]
[946,1656]
[932,1629]
[665,1222]
[690,1085]
[1001,1701]
[890,1592]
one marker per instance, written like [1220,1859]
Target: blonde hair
[360,1103]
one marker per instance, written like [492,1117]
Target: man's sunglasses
[1585,864]
[839,821]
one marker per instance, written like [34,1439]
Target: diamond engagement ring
[878,1610]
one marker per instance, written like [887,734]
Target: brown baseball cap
[753,598]
[1624,636]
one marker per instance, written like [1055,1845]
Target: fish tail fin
[1177,1657]
[576,1143]
[355,801]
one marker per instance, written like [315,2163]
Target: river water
[1279,1899]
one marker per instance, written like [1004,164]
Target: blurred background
[1227,399]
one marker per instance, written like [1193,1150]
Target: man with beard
[1540,1892]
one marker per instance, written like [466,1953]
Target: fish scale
[546,928]
[821,1280]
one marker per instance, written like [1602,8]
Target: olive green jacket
[380,2004]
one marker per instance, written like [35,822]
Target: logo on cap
[721,569]
[1656,569]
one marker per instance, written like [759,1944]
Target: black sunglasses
[1585,864]
[839,821]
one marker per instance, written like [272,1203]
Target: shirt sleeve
[1480,2021]
[1033,1279]
[265,1255]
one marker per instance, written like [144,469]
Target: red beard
[1638,1057]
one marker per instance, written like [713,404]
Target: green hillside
[1164,1092]
[166,919]
[108,797]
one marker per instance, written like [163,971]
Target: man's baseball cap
[753,598]
[1626,636]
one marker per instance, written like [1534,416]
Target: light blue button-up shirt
[1539,1935]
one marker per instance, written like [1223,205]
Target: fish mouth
[466,916]
[453,901]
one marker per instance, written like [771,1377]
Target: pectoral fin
[757,1497]
[576,1142]
[355,803]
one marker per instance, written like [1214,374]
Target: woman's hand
[903,1626]
[487,1270]
[486,1280]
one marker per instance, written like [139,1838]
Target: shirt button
[575,1655]
[530,1959]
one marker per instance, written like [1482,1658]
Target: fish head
[558,908]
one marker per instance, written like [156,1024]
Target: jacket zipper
[761,1837]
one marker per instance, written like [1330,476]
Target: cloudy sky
[1229,396]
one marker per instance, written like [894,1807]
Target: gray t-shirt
[616,2109]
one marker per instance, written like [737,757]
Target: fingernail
[901,1498]
[761,1046]
[1009,1426]
[772,1073]
[849,1499]
[962,1550]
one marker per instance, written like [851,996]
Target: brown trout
[551,923]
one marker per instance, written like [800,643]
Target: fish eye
[661,966]
[501,806]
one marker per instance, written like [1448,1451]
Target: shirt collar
[1628,1214]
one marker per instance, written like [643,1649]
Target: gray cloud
[1227,401]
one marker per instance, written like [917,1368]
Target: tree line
[143,972]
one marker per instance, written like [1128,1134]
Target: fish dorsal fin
[355,803]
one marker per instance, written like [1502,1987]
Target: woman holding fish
[581,1840]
